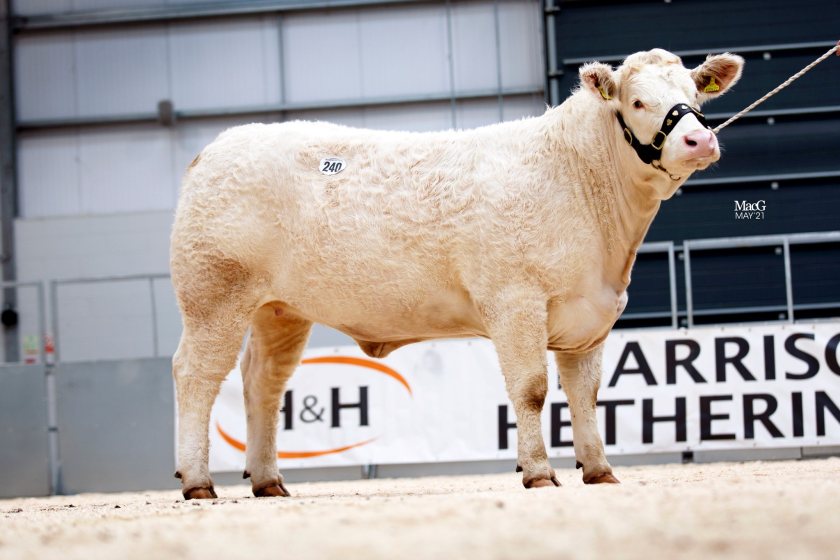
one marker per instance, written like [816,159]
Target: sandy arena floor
[763,510]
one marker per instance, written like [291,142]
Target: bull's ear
[597,77]
[717,74]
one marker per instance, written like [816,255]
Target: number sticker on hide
[332,165]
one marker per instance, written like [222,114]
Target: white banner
[662,390]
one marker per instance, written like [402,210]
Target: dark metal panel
[816,273]
[587,29]
[751,277]
[116,425]
[703,212]
[24,446]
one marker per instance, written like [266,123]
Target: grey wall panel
[121,71]
[104,321]
[521,44]
[83,5]
[168,318]
[48,174]
[404,51]
[126,169]
[474,46]
[225,63]
[93,246]
[45,76]
[321,57]
[24,458]
[116,425]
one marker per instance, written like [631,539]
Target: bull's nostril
[691,143]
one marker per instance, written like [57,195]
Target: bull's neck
[618,193]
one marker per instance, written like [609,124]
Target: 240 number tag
[332,165]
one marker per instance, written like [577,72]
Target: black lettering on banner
[633,348]
[750,416]
[504,426]
[769,357]
[671,361]
[288,411]
[337,406]
[721,359]
[823,403]
[610,408]
[648,419]
[557,425]
[812,363]
[796,413]
[706,417]
[831,354]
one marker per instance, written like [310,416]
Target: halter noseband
[652,153]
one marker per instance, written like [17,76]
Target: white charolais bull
[524,232]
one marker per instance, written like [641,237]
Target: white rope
[786,83]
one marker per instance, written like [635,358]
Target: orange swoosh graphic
[361,362]
[236,444]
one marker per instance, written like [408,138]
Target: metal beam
[8,178]
[275,108]
[775,47]
[173,13]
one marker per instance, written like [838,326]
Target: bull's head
[657,101]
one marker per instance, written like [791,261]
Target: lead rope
[786,83]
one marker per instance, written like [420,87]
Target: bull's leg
[580,375]
[516,321]
[205,355]
[274,350]
[217,297]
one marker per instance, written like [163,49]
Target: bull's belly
[443,313]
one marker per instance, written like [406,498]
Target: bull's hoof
[603,478]
[177,474]
[542,483]
[578,465]
[246,474]
[518,468]
[272,490]
[205,493]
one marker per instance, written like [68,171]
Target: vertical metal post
[54,317]
[154,316]
[788,279]
[672,284]
[8,178]
[450,46]
[552,90]
[689,300]
[52,400]
[282,65]
[497,28]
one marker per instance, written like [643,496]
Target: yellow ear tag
[712,86]
[604,93]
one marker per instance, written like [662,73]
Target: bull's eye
[638,104]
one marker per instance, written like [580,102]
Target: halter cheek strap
[652,153]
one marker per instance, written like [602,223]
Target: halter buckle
[628,136]
[662,143]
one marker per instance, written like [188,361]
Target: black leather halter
[652,153]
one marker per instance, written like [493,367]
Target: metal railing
[150,278]
[785,241]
